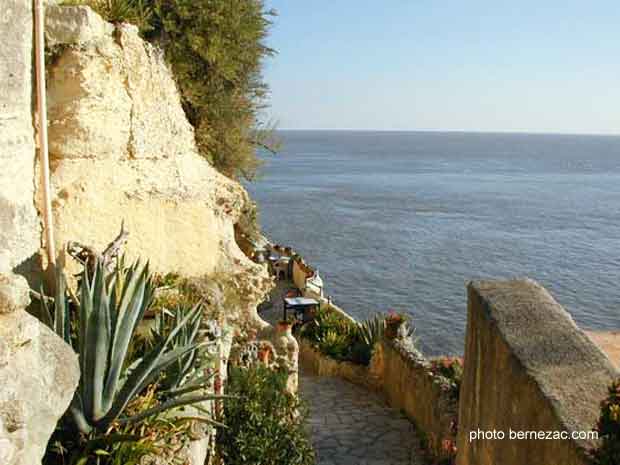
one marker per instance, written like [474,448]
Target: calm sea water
[402,220]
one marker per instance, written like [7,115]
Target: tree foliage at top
[215,48]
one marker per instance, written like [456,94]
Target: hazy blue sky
[519,65]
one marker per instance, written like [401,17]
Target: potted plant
[393,321]
[285,326]
[264,353]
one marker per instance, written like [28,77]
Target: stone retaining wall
[528,367]
[322,365]
[426,398]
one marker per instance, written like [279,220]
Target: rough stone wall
[528,367]
[19,224]
[38,371]
[409,385]
[121,149]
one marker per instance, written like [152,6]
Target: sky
[526,66]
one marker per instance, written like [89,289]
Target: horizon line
[459,131]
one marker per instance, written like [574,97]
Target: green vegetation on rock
[450,368]
[343,339]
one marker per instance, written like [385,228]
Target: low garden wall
[322,365]
[331,307]
[300,272]
[528,367]
[429,400]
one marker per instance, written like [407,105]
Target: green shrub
[330,333]
[334,344]
[342,339]
[324,322]
[609,428]
[265,425]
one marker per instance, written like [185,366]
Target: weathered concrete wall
[19,223]
[409,385]
[528,367]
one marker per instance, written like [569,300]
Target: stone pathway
[348,424]
[274,313]
[351,426]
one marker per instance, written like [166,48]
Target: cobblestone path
[351,426]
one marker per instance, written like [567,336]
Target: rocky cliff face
[38,374]
[122,149]
[19,224]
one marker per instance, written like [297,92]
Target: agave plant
[371,330]
[182,369]
[105,317]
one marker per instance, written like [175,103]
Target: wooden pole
[39,31]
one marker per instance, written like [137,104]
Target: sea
[403,221]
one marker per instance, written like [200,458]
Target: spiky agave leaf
[58,317]
[150,367]
[98,336]
[372,330]
[172,404]
[135,297]
[62,317]
[178,372]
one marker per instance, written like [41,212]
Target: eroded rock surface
[38,376]
[19,225]
[14,293]
[122,149]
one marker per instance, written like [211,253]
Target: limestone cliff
[121,148]
[19,226]
[38,374]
